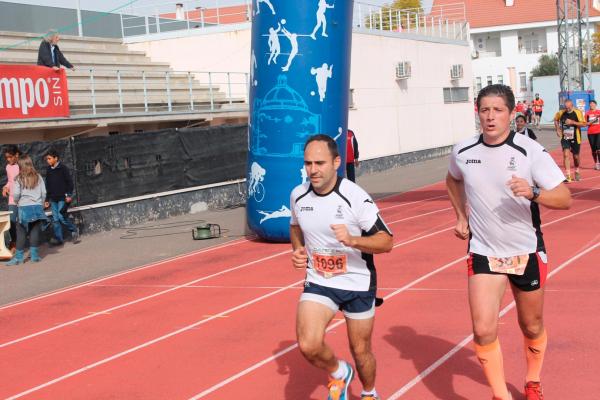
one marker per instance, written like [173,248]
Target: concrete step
[21,55]
[137,65]
[68,48]
[150,86]
[87,39]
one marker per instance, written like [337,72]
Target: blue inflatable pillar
[299,86]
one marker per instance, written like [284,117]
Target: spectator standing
[522,127]
[538,109]
[29,193]
[351,156]
[11,154]
[49,54]
[59,185]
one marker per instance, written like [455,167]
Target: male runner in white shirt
[503,177]
[335,230]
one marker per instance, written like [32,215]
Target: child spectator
[28,192]
[59,185]
[11,154]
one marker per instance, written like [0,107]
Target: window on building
[478,84]
[523,81]
[501,79]
[456,95]
[489,81]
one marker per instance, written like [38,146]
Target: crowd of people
[29,195]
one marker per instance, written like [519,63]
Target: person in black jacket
[351,156]
[49,54]
[59,195]
[522,127]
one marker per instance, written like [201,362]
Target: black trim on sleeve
[378,226]
[479,141]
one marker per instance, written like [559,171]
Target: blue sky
[105,5]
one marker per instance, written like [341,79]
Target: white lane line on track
[151,342]
[155,264]
[185,285]
[440,361]
[139,268]
[108,310]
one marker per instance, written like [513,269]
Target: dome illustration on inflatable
[280,114]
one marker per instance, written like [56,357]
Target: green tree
[547,65]
[400,13]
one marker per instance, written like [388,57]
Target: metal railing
[97,92]
[163,17]
[445,21]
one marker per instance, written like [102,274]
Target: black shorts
[570,144]
[354,304]
[594,140]
[533,278]
[538,113]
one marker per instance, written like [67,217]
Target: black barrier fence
[107,168]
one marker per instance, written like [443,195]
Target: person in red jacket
[593,119]
[351,156]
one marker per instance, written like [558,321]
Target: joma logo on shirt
[473,161]
[306,209]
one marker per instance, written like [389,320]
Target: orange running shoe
[338,388]
[533,391]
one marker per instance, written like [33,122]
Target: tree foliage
[400,13]
[547,66]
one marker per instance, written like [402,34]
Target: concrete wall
[389,117]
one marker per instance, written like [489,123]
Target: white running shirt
[501,224]
[346,204]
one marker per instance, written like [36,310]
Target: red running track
[219,323]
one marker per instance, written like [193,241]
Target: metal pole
[145,91]
[120,91]
[122,26]
[79,23]
[93,91]
[210,90]
[191,91]
[218,13]
[407,21]
[147,23]
[157,21]
[202,17]
[380,19]
[418,20]
[370,18]
[360,21]
[168,91]
[229,87]
[390,18]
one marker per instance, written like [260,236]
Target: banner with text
[31,91]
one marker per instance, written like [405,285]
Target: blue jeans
[59,219]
